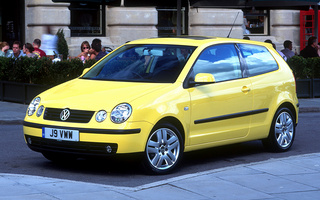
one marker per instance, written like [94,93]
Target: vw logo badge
[65,114]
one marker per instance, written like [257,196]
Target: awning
[258,4]
[127,3]
[283,4]
[82,1]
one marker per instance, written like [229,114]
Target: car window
[142,63]
[221,61]
[259,60]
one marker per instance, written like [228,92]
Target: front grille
[77,116]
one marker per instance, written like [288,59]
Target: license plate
[60,134]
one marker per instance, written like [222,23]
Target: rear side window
[259,60]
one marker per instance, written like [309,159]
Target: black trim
[69,147]
[223,117]
[86,130]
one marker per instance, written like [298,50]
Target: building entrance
[12,21]
[167,21]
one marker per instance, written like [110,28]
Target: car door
[220,111]
[260,68]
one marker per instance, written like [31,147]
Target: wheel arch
[291,108]
[175,122]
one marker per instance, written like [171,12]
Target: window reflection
[221,61]
[258,59]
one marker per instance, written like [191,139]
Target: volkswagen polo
[161,97]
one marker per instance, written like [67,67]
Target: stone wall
[122,23]
[43,13]
[129,23]
[216,22]
[285,25]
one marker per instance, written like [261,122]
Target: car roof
[194,41]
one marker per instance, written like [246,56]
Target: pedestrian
[17,50]
[85,48]
[312,50]
[50,43]
[274,46]
[28,50]
[36,45]
[287,51]
[4,47]
[96,50]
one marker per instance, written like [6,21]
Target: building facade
[25,20]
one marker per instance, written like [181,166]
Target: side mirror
[202,79]
[85,71]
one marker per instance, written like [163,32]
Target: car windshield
[142,63]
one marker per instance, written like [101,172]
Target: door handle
[245,89]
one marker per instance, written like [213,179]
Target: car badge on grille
[65,114]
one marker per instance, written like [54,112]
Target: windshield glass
[142,63]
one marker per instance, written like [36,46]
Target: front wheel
[282,131]
[164,149]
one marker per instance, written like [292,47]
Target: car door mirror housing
[85,71]
[202,79]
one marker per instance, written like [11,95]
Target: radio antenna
[233,25]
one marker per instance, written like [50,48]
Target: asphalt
[291,178]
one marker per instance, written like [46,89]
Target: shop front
[118,21]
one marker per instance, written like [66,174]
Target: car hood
[95,95]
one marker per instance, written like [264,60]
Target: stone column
[130,23]
[42,13]
[216,22]
[285,25]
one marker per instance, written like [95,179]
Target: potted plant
[307,74]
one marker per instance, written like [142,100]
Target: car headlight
[33,106]
[121,113]
[101,116]
[40,110]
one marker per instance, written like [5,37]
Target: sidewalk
[296,177]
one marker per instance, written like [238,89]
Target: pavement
[291,178]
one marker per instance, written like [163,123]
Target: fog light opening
[109,149]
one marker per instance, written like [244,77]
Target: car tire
[282,131]
[164,149]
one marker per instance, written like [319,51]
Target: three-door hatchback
[162,97]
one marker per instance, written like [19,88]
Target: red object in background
[306,27]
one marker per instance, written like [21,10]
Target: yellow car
[165,96]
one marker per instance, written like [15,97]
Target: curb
[309,109]
[11,122]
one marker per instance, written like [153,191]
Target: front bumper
[91,141]
[77,148]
